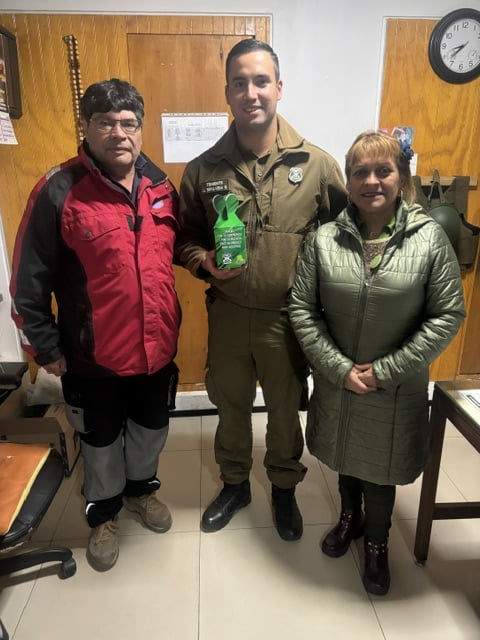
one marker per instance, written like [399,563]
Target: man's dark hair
[249,45]
[111,95]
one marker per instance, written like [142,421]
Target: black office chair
[38,500]
[29,517]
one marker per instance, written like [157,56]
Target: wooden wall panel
[446,119]
[220,25]
[46,131]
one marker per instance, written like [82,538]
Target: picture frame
[10,95]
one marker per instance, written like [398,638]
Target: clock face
[454,48]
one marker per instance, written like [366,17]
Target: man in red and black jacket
[98,233]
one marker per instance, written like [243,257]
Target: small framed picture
[10,97]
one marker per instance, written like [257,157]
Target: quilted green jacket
[399,318]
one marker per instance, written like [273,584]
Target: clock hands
[453,52]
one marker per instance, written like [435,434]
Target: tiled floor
[245,583]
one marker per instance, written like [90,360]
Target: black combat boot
[230,499]
[286,515]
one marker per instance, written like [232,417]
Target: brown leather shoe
[376,577]
[348,528]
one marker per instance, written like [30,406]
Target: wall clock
[454,46]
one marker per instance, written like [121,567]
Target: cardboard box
[53,428]
[14,404]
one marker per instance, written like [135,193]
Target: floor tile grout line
[443,470]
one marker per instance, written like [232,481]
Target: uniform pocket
[277,258]
[172,387]
[74,404]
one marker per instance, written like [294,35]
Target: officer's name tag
[215,186]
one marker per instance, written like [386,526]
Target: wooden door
[181,74]
[413,95]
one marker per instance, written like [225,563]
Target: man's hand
[58,368]
[209,265]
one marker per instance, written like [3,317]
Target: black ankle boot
[338,539]
[230,499]
[376,577]
[286,515]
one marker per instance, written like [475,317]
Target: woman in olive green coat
[376,299]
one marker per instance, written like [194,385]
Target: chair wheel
[68,568]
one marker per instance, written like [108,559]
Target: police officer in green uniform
[286,187]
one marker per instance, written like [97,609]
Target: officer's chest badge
[295,175]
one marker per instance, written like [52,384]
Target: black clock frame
[434,56]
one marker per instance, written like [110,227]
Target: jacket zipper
[365,285]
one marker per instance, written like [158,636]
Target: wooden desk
[448,403]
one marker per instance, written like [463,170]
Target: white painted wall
[331,54]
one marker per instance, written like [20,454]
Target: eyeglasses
[107,125]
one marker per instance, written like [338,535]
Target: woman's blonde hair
[382,145]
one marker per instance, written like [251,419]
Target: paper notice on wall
[187,135]
[7,134]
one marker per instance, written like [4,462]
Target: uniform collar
[227,147]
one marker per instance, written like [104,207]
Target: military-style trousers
[246,345]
